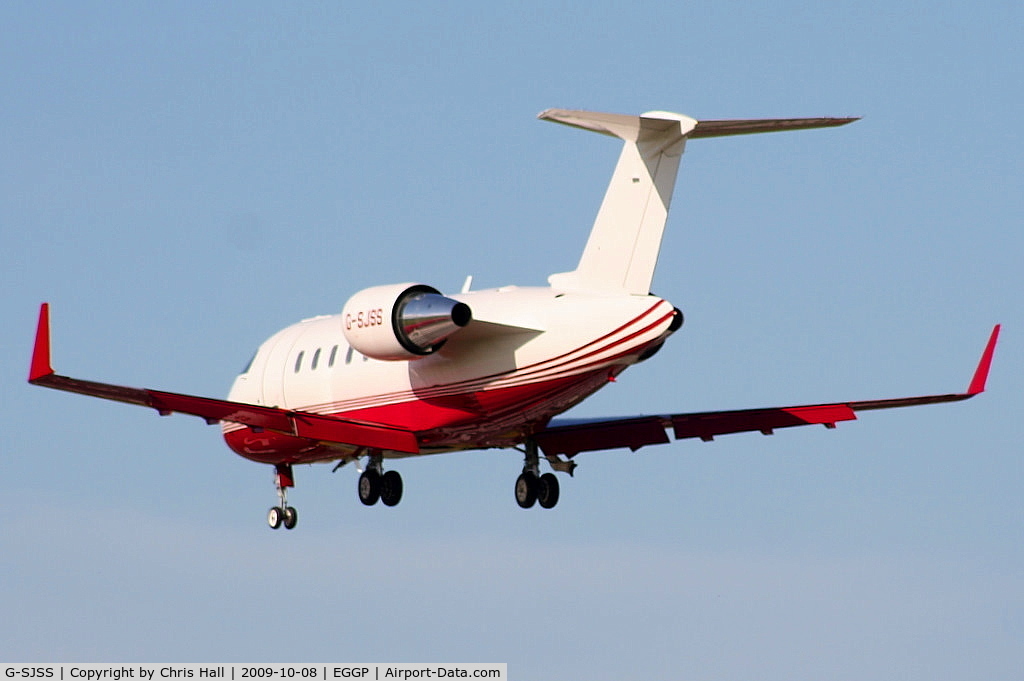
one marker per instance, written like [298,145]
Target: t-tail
[622,251]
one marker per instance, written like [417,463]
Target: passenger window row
[315,361]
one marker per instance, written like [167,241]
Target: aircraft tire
[369,487]
[275,517]
[391,488]
[291,518]
[547,490]
[526,490]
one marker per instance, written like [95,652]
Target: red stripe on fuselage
[491,418]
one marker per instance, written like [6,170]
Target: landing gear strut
[531,486]
[283,514]
[376,484]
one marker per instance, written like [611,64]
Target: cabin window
[298,361]
[348,355]
[334,353]
[316,359]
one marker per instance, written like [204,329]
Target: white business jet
[407,371]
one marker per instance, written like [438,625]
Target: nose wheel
[283,514]
[286,515]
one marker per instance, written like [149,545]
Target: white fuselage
[527,355]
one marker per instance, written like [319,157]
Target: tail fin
[623,247]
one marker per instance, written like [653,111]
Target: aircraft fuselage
[528,355]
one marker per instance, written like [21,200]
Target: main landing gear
[376,484]
[532,487]
[283,514]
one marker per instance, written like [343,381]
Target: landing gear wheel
[369,487]
[282,513]
[526,490]
[391,488]
[547,490]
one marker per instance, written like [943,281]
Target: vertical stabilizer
[622,250]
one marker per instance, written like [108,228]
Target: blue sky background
[180,181]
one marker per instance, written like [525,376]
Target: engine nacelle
[401,321]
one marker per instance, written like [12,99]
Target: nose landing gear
[283,514]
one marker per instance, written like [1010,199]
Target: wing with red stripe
[290,422]
[572,437]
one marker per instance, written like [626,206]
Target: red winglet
[981,373]
[41,351]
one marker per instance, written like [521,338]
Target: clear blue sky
[180,181]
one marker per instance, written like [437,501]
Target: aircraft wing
[570,437]
[290,422]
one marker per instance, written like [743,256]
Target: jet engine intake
[401,321]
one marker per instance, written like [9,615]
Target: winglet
[41,351]
[981,373]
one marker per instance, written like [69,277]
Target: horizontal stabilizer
[747,127]
[621,125]
[627,127]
